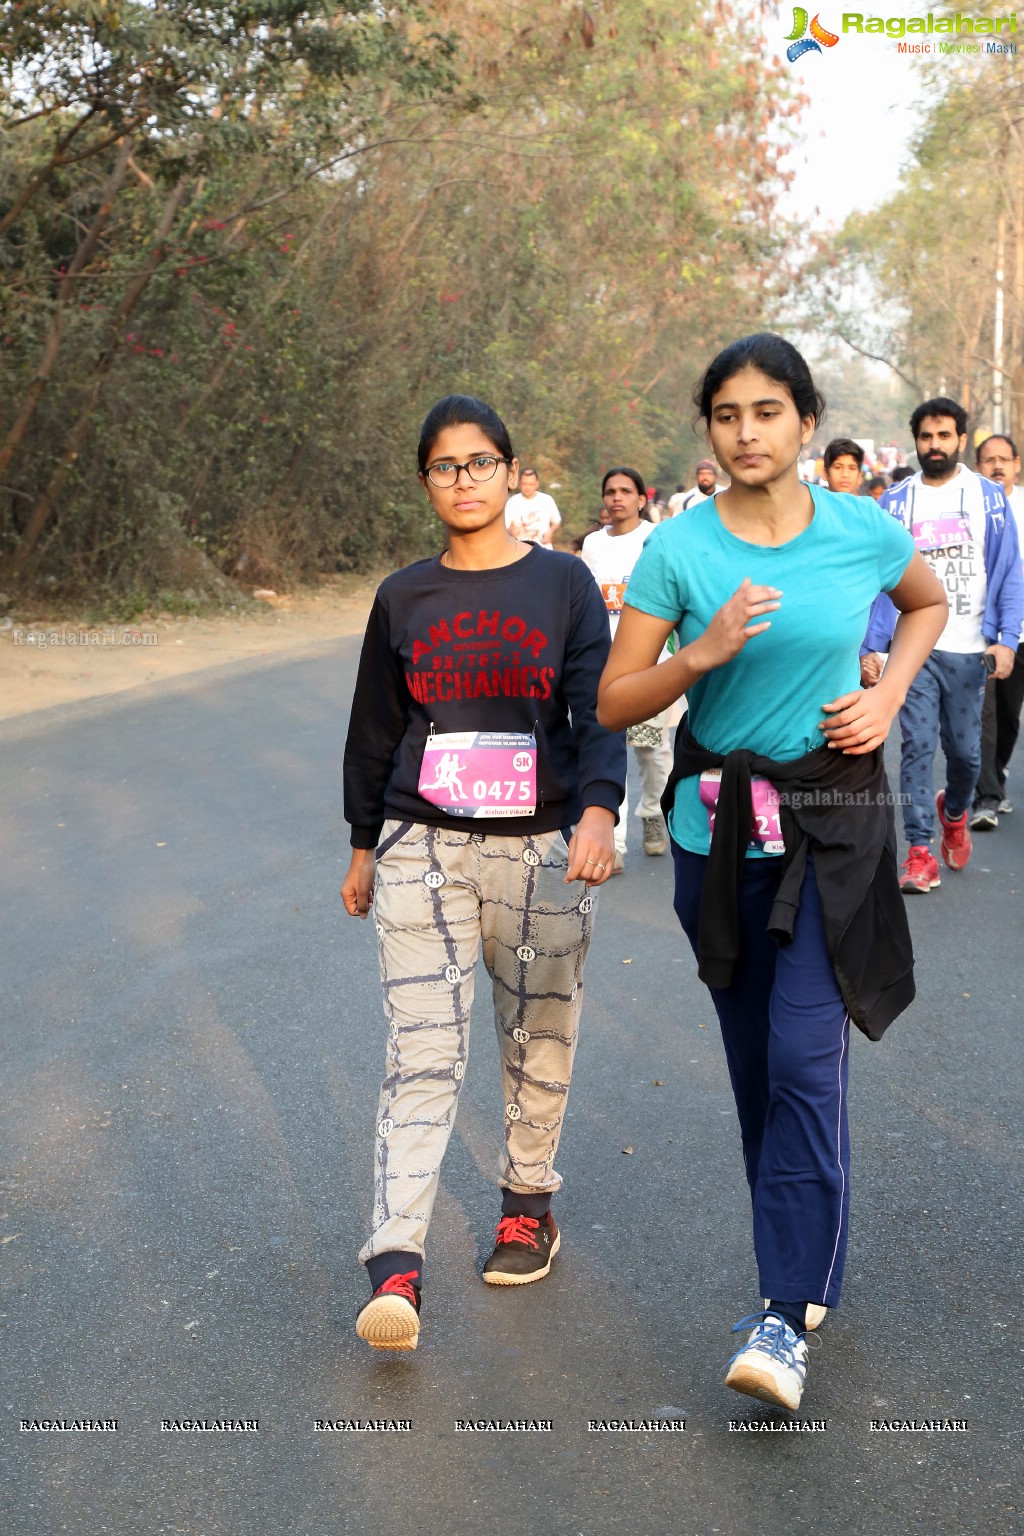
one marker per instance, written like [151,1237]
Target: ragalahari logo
[800,43]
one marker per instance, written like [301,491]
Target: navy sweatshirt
[519,648]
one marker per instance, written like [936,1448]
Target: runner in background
[959,522]
[531,514]
[611,555]
[476,769]
[998,459]
[599,521]
[706,474]
[655,508]
[675,501]
[844,465]
[769,586]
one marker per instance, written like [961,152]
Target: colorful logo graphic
[800,43]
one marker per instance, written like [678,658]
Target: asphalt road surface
[192,1045]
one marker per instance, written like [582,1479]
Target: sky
[863,95]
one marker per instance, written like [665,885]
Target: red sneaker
[957,843]
[920,871]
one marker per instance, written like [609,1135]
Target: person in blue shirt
[779,812]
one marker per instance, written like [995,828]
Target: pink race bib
[941,532]
[480,773]
[765,826]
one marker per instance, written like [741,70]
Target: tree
[915,282]
[566,210]
[173,93]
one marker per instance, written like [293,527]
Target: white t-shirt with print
[948,525]
[536,516]
[610,558]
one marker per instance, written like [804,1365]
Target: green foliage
[330,216]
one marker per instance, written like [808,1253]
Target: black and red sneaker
[391,1317]
[523,1250]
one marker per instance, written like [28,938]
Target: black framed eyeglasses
[482,467]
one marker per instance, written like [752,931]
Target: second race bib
[766,825]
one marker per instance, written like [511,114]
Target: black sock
[792,1312]
[383,1265]
[515,1204]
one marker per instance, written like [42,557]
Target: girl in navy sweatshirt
[482,795]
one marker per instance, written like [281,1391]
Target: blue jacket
[1004,595]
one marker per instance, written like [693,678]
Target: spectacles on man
[482,467]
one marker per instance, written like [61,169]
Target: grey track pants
[438,895]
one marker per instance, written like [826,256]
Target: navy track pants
[786,1034]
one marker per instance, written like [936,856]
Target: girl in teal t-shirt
[768,586]
[770,699]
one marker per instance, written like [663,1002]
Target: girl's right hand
[357,886]
[735,623]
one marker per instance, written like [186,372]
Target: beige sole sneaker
[655,836]
[772,1365]
[767,1381]
[389,1322]
[507,1277]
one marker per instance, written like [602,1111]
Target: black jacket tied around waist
[840,810]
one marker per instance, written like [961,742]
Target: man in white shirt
[531,514]
[963,526]
[707,484]
[998,459]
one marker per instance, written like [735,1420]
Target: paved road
[192,1046]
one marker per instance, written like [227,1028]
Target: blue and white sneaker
[772,1365]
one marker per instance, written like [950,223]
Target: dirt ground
[61,662]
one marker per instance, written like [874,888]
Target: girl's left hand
[592,849]
[860,721]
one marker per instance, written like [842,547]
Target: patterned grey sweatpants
[437,895]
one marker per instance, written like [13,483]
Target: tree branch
[876,358]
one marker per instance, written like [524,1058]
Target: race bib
[942,532]
[613,593]
[765,826]
[480,773]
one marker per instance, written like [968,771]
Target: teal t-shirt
[769,698]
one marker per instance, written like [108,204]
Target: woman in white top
[610,554]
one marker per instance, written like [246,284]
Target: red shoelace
[399,1285]
[518,1229]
